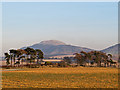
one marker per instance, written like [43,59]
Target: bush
[62,64]
[7,67]
[48,63]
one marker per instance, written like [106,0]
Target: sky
[87,24]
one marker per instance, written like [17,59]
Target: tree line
[30,55]
[94,57]
[27,55]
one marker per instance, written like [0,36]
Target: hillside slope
[54,47]
[112,50]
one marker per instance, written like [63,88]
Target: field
[76,77]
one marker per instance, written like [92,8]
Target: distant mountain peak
[55,47]
[52,42]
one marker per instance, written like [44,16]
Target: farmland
[52,77]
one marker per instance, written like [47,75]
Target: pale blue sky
[90,24]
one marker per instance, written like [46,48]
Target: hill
[54,48]
[112,50]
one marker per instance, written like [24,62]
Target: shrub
[48,63]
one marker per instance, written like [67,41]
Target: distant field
[78,77]
[62,56]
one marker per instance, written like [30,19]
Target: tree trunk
[37,61]
[110,64]
[11,59]
[22,63]
[30,63]
[99,64]
[27,60]
[89,63]
[14,61]
[105,64]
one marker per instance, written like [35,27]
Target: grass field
[78,77]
